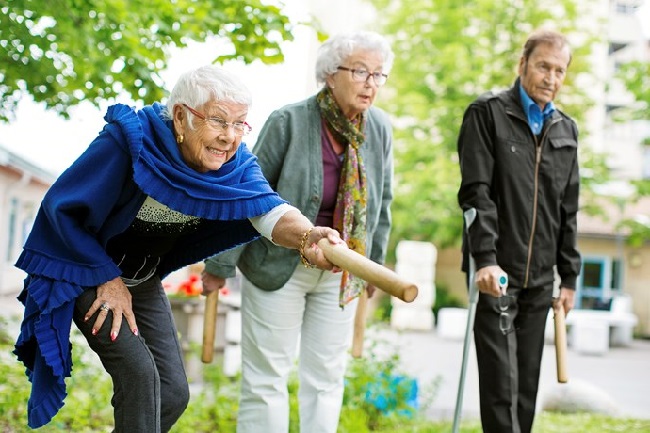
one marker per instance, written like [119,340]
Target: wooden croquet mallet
[373,273]
[560,344]
[379,276]
[209,326]
[346,259]
[359,325]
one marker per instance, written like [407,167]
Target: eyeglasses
[361,75]
[218,124]
[505,321]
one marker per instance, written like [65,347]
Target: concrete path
[623,373]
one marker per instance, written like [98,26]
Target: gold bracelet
[301,250]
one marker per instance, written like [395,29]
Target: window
[599,277]
[626,7]
[616,278]
[11,229]
[592,275]
[29,211]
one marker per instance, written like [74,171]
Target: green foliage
[379,395]
[445,299]
[86,408]
[294,406]
[447,54]
[214,407]
[585,422]
[638,228]
[62,52]
[13,386]
[636,77]
[383,310]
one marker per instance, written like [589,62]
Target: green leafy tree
[636,76]
[447,53]
[62,52]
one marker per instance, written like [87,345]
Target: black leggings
[150,390]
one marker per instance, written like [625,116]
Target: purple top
[332,164]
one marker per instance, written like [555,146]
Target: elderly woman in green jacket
[331,157]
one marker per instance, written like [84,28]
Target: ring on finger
[104,307]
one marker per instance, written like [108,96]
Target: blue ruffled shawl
[134,156]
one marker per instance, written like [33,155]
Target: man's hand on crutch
[491,280]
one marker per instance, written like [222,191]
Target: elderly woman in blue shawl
[158,189]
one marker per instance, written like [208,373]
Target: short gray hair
[207,83]
[338,48]
[545,36]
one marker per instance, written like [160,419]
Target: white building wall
[20,197]
[621,141]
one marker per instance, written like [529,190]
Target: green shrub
[213,406]
[14,387]
[378,394]
[445,299]
[384,307]
[87,408]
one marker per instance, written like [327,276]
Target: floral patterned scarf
[350,209]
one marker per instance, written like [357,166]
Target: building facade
[22,187]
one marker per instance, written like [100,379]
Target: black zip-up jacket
[524,188]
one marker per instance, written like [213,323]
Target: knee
[175,397]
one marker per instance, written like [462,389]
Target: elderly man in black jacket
[518,159]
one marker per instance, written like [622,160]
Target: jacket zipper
[538,159]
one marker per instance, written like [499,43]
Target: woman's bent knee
[174,398]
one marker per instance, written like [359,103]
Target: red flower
[190,287]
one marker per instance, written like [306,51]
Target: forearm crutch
[469,216]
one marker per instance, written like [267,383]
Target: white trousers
[306,309]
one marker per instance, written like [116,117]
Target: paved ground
[623,373]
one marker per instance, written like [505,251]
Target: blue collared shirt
[536,117]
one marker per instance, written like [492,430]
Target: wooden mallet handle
[209,326]
[560,344]
[369,271]
[359,325]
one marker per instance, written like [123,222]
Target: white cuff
[264,224]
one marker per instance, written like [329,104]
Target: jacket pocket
[560,142]
[563,156]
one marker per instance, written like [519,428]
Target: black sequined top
[150,236]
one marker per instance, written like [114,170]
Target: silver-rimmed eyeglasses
[219,124]
[361,75]
[505,321]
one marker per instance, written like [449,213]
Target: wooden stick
[369,271]
[560,344]
[359,325]
[209,326]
